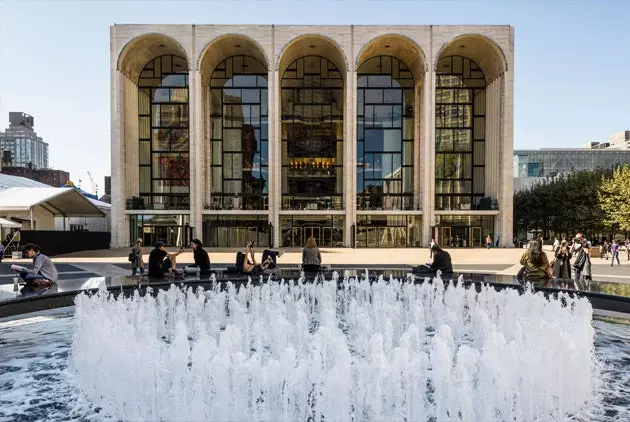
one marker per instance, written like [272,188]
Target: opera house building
[360,136]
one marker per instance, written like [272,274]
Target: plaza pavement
[496,261]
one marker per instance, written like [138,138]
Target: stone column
[418,144]
[428,182]
[196,155]
[350,154]
[117,162]
[275,154]
[506,192]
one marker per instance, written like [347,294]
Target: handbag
[132,257]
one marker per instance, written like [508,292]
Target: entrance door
[476,236]
[445,239]
[296,236]
[315,232]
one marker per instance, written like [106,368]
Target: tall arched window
[240,152]
[385,129]
[460,120]
[163,133]
[312,135]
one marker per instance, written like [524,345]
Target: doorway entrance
[327,231]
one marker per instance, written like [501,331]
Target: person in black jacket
[441,262]
[202,260]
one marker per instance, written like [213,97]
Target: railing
[158,203]
[307,203]
[249,202]
[485,204]
[384,202]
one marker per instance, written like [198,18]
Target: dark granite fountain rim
[127,285]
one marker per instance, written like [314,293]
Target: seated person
[202,260]
[311,256]
[249,264]
[161,261]
[441,262]
[270,259]
[44,271]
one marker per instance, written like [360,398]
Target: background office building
[536,166]
[20,145]
[357,135]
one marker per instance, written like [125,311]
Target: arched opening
[163,133]
[312,142]
[391,68]
[154,135]
[385,146]
[235,98]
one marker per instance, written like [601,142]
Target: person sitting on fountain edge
[441,262]
[161,261]
[44,271]
[202,260]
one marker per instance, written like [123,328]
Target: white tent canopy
[65,202]
[8,223]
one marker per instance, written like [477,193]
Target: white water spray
[335,351]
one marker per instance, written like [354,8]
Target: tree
[614,198]
[564,205]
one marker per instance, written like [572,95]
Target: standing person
[628,248]
[556,243]
[562,261]
[614,253]
[580,261]
[137,262]
[202,259]
[488,241]
[161,261]
[311,256]
[44,271]
[536,265]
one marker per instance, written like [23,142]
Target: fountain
[337,350]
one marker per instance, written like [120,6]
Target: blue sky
[571,61]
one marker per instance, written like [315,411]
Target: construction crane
[94,185]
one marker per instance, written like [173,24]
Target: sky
[571,61]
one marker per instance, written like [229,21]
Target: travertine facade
[419,47]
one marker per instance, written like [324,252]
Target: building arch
[396,45]
[225,46]
[312,45]
[140,50]
[485,52]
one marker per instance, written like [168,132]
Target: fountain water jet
[339,350]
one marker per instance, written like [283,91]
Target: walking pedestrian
[614,253]
[488,241]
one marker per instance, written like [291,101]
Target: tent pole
[32,228]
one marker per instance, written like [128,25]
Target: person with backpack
[135,257]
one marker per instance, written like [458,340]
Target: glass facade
[460,119]
[388,231]
[163,133]
[236,230]
[312,135]
[552,163]
[327,230]
[171,229]
[464,230]
[240,152]
[385,131]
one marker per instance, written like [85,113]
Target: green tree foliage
[563,206]
[614,198]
